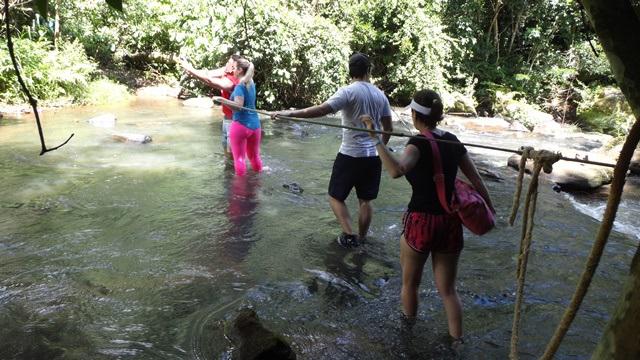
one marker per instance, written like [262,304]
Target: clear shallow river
[118,250]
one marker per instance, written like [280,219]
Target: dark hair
[359,65]
[236,57]
[429,99]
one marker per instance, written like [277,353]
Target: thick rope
[615,194]
[543,160]
[521,169]
[390,133]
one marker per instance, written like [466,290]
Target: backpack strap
[438,175]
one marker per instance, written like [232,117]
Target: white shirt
[356,99]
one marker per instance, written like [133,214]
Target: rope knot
[526,150]
[546,159]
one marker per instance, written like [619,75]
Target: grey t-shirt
[356,99]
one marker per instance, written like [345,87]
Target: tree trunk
[617,25]
[56,24]
[621,339]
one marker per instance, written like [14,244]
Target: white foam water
[596,210]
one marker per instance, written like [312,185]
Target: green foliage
[104,91]
[605,109]
[592,68]
[48,73]
[514,56]
[513,106]
[300,59]
[407,45]
[525,46]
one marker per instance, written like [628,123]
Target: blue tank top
[246,117]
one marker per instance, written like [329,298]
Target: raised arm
[219,72]
[469,170]
[213,78]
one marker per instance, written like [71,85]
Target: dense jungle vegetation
[490,56]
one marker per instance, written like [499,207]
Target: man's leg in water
[367,186]
[364,218]
[342,214]
[340,185]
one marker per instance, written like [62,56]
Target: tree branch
[32,101]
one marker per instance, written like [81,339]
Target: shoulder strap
[438,175]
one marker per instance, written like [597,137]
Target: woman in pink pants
[245,133]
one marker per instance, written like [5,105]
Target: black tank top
[424,197]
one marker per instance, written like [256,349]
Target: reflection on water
[241,206]
[121,250]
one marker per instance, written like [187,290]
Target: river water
[113,250]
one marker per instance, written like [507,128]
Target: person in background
[357,163]
[245,133]
[221,79]
[427,228]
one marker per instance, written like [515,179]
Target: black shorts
[363,173]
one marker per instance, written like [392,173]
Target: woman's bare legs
[412,263]
[445,269]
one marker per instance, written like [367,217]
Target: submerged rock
[254,341]
[489,174]
[136,138]
[293,187]
[103,121]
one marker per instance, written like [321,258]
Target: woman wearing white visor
[428,228]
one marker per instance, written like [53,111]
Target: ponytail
[428,107]
[248,68]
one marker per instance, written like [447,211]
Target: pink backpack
[473,211]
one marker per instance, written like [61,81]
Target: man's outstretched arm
[310,112]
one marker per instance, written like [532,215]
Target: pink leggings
[245,142]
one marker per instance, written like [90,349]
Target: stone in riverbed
[293,187]
[570,176]
[135,138]
[254,341]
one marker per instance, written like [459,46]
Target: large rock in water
[571,176]
[254,341]
[634,167]
[135,138]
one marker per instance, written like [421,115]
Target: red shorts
[426,232]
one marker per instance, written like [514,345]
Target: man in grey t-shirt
[357,163]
